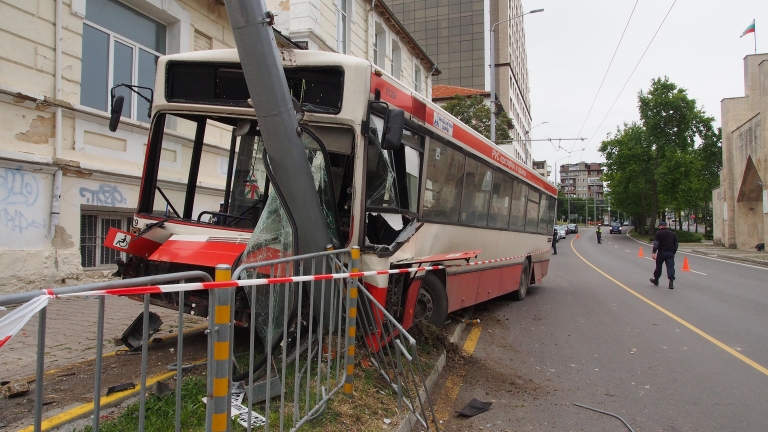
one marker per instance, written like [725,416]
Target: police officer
[599,232]
[664,250]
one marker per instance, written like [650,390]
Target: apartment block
[582,180]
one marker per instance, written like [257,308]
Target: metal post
[220,364]
[179,359]
[97,377]
[144,353]
[40,369]
[493,89]
[349,361]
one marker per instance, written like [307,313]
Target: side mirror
[116,112]
[393,129]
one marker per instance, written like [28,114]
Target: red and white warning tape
[11,323]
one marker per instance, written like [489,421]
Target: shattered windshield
[380,186]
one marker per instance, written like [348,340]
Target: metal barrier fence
[13,299]
[305,312]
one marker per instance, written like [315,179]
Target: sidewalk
[70,334]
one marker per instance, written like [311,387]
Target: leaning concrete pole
[263,69]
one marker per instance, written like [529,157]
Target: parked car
[572,228]
[626,223]
[615,228]
[561,232]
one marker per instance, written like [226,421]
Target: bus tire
[431,302]
[525,279]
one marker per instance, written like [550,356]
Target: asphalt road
[596,332]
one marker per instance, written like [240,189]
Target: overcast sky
[571,43]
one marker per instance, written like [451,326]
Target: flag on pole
[750,29]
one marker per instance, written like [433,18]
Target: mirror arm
[133,89]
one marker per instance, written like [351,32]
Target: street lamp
[493,73]
[568,197]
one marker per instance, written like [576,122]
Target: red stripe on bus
[391,94]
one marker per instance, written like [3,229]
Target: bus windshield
[214,171]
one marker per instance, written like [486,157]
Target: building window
[417,78]
[380,46]
[120,46]
[397,59]
[341,26]
[93,230]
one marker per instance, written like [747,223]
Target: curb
[410,420]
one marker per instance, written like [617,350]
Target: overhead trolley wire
[606,72]
[630,76]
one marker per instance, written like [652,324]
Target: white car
[561,232]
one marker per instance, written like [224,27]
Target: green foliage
[473,112]
[687,237]
[669,161]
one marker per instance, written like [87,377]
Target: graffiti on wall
[106,195]
[23,209]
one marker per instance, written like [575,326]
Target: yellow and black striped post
[219,353]
[349,360]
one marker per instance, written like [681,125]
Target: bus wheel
[525,278]
[432,302]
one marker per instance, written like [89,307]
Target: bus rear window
[319,90]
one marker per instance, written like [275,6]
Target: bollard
[219,353]
[349,361]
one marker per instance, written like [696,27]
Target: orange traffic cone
[685,265]
[577,235]
[640,254]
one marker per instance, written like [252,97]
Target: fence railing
[304,314]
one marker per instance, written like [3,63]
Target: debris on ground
[14,388]
[474,407]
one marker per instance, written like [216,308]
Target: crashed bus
[394,174]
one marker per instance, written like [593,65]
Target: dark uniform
[555,238]
[665,247]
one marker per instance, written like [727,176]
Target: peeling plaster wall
[98,176]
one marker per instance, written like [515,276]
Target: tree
[473,112]
[667,161]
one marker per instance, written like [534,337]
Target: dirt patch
[73,384]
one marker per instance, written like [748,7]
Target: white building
[64,178]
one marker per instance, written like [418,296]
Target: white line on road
[626,251]
[699,272]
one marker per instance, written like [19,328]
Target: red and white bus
[442,195]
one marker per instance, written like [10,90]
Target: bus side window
[532,218]
[477,187]
[443,183]
[500,200]
[519,201]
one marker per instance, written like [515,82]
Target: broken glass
[380,177]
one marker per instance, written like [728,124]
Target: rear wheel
[525,278]
[431,302]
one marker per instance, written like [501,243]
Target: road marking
[626,251]
[453,383]
[695,329]
[694,271]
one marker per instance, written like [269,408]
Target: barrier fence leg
[349,361]
[40,368]
[219,361]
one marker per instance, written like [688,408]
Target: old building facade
[740,204]
[64,178]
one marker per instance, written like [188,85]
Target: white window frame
[380,45]
[417,77]
[397,60]
[342,21]
[113,38]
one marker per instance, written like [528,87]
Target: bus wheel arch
[432,300]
